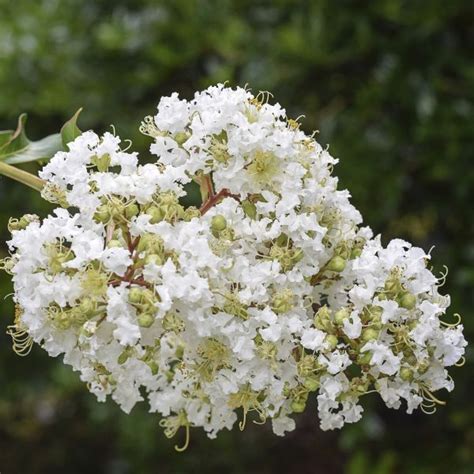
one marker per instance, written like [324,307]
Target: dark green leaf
[70,131]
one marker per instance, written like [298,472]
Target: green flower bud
[322,319]
[393,285]
[181,137]
[369,334]
[191,213]
[406,374]
[423,366]
[102,214]
[311,383]
[132,210]
[282,302]
[135,295]
[114,244]
[336,264]
[154,258]
[249,208]
[356,252]
[145,320]
[156,213]
[218,223]
[298,406]
[331,340]
[407,301]
[341,315]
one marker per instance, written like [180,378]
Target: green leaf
[43,149]
[70,131]
[15,147]
[14,140]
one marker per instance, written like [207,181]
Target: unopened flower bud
[322,318]
[181,137]
[336,264]
[407,301]
[145,320]
[132,210]
[154,259]
[102,214]
[356,252]
[340,316]
[191,213]
[282,302]
[218,223]
[298,406]
[114,244]
[157,215]
[331,341]
[406,374]
[135,295]
[369,334]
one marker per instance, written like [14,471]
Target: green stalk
[22,176]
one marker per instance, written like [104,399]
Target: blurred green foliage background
[389,84]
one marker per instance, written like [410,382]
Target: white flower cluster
[267,293]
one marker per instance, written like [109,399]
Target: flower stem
[22,176]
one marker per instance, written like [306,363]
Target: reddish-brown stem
[216,198]
[210,187]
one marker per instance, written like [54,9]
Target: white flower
[269,292]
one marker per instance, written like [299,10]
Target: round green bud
[322,318]
[157,215]
[393,285]
[218,223]
[336,264]
[340,316]
[191,213]
[154,258]
[369,334]
[311,383]
[181,137]
[298,406]
[144,243]
[135,295]
[114,244]
[331,340]
[423,366]
[406,374]
[356,252]
[132,210]
[102,214]
[407,301]
[145,320]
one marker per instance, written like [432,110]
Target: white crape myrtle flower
[268,292]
